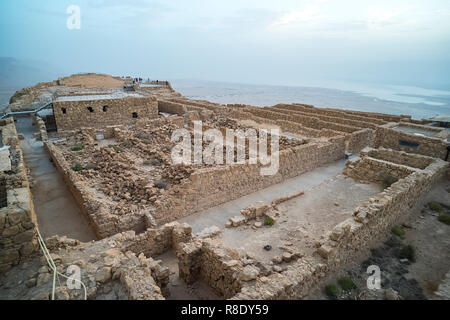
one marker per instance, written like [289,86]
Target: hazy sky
[263,42]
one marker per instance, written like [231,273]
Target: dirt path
[56,210]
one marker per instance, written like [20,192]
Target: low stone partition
[373,219]
[339,113]
[398,157]
[260,209]
[42,128]
[156,123]
[209,187]
[435,146]
[372,170]
[285,125]
[218,266]
[326,116]
[367,224]
[103,223]
[171,107]
[18,238]
[310,124]
[360,139]
[198,103]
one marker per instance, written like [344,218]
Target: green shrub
[407,252]
[375,252]
[398,231]
[77,147]
[445,218]
[435,207]
[332,290]
[268,221]
[387,179]
[367,263]
[116,148]
[346,284]
[77,167]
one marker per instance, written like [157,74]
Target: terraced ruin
[138,226]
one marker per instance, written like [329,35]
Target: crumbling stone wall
[372,220]
[171,107]
[388,137]
[360,139]
[366,225]
[212,186]
[41,127]
[314,125]
[398,157]
[71,115]
[18,222]
[218,266]
[371,170]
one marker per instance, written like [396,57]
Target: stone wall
[71,115]
[373,219]
[313,125]
[372,170]
[41,127]
[366,225]
[203,189]
[388,137]
[103,223]
[18,238]
[171,107]
[398,157]
[212,186]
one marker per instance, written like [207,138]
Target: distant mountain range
[17,73]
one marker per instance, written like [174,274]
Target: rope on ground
[52,265]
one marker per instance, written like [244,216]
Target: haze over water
[418,102]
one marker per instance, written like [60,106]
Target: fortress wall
[18,223]
[390,138]
[118,111]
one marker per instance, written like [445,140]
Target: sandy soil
[302,221]
[93,80]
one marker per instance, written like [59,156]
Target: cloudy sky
[261,42]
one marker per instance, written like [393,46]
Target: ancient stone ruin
[205,231]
